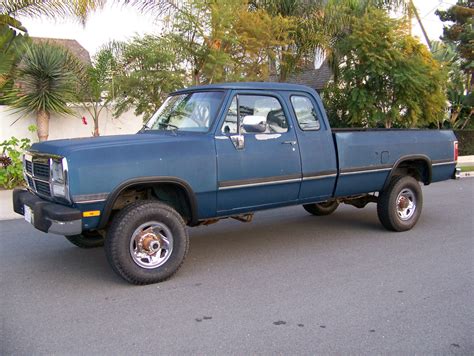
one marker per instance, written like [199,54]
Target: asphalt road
[288,283]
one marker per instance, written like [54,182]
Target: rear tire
[88,239]
[399,206]
[322,209]
[147,242]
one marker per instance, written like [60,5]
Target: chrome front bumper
[47,216]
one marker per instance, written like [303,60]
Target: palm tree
[46,83]
[10,10]
[11,29]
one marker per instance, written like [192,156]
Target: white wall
[68,126]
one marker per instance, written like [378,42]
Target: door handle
[293,143]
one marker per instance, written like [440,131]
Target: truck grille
[41,170]
[29,167]
[43,188]
[37,174]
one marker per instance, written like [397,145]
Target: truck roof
[250,86]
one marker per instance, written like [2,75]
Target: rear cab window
[305,113]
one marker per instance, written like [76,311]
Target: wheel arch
[151,182]
[417,166]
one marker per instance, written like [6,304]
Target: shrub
[11,162]
[466,142]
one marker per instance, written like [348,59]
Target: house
[71,45]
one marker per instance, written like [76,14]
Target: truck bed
[367,156]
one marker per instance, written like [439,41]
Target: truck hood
[68,146]
[99,165]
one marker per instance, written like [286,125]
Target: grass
[467,168]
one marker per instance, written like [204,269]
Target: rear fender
[417,162]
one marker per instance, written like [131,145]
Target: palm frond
[157,7]
[6,20]
[50,8]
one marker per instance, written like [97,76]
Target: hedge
[466,142]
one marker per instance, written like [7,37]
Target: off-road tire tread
[385,211]
[125,217]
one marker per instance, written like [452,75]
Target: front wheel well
[176,195]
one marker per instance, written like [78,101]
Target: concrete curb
[465,161]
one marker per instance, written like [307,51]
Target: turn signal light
[90,214]
[456,151]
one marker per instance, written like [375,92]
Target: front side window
[305,113]
[187,112]
[258,114]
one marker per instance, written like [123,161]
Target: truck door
[258,160]
[318,153]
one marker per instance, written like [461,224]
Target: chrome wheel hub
[406,204]
[151,245]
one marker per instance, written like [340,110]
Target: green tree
[460,100]
[11,43]
[260,40]
[387,77]
[319,26]
[46,81]
[316,26]
[222,40]
[147,71]
[460,36]
[209,33]
[461,32]
[96,87]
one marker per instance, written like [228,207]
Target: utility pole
[415,11]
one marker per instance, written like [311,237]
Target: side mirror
[253,123]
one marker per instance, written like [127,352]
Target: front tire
[322,209]
[399,206]
[147,242]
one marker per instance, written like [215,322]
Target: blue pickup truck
[222,151]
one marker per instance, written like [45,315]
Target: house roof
[72,45]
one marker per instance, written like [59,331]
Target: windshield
[187,112]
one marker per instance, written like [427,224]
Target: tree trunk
[454,116]
[42,125]
[96,127]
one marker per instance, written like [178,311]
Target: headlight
[57,171]
[58,178]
